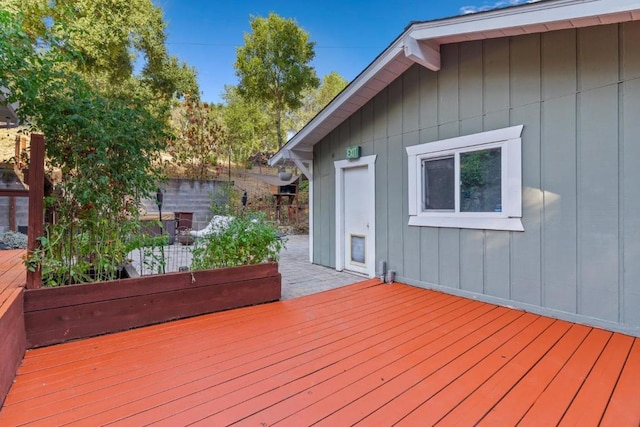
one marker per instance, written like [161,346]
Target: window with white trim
[473,181]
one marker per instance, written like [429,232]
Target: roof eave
[420,43]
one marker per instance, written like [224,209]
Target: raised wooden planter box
[12,338]
[55,315]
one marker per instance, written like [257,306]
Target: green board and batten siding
[577,93]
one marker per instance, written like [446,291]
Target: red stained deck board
[156,342]
[592,399]
[416,386]
[13,273]
[235,390]
[191,358]
[372,392]
[512,406]
[428,343]
[246,369]
[384,350]
[369,373]
[293,389]
[551,406]
[196,366]
[536,336]
[624,405]
[497,384]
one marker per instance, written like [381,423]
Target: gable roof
[420,43]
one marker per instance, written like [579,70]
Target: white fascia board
[531,14]
[343,97]
[275,159]
[292,154]
[419,43]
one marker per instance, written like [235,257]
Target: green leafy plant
[225,200]
[72,252]
[247,239]
[13,240]
[105,148]
[150,250]
[54,269]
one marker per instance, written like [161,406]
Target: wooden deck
[12,273]
[370,354]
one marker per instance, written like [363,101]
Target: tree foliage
[105,148]
[200,139]
[26,71]
[248,124]
[109,38]
[315,99]
[273,66]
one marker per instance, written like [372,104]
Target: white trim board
[341,165]
[509,219]
[420,43]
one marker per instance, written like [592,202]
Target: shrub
[106,149]
[13,240]
[247,239]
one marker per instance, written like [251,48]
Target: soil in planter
[120,273]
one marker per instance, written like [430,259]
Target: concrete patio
[300,278]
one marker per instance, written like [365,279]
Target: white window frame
[510,219]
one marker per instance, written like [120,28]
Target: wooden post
[12,214]
[36,204]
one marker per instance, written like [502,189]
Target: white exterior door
[356,219]
[355,215]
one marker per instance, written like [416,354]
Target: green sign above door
[353,152]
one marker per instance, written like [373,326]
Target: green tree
[106,150]
[25,71]
[109,38]
[249,128]
[273,66]
[315,99]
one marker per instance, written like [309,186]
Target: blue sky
[348,34]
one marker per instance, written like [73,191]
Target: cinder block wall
[180,195]
[189,195]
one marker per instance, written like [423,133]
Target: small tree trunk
[279,127]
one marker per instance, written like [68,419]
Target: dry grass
[7,143]
[257,191]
